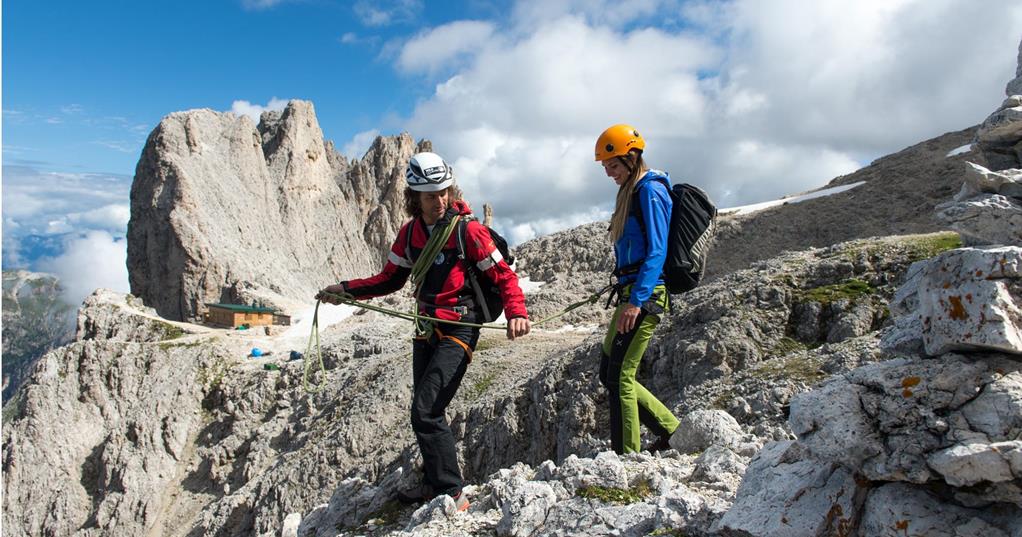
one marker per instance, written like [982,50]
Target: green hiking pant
[630,402]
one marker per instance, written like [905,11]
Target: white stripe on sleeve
[490,260]
[398,260]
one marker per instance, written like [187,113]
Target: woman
[638,230]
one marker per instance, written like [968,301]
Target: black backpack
[489,304]
[688,237]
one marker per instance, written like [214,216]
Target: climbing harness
[415,317]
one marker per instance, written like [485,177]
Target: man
[440,352]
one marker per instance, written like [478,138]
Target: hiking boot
[418,494]
[662,444]
[461,503]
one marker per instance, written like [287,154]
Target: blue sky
[751,99]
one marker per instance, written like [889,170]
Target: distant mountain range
[35,320]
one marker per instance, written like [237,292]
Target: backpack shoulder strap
[470,268]
[408,240]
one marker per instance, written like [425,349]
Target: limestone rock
[979,180]
[115,316]
[226,211]
[720,465]
[605,471]
[985,219]
[917,420]
[967,464]
[704,428]
[969,300]
[788,492]
[1004,126]
[897,509]
[123,414]
[524,507]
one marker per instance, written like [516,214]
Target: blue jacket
[648,248]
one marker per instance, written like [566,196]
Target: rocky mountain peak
[226,211]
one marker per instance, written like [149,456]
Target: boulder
[1004,126]
[786,491]
[969,301]
[985,219]
[898,509]
[951,419]
[704,428]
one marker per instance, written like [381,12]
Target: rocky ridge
[226,211]
[260,449]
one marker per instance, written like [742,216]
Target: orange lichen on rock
[908,382]
[957,311]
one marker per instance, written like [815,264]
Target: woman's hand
[518,327]
[626,319]
[330,293]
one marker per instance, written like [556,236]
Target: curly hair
[413,203]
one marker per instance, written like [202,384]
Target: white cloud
[72,109]
[378,13]
[519,233]
[113,218]
[349,38]
[359,144]
[88,262]
[253,111]
[434,49]
[33,200]
[256,5]
[866,77]
[120,145]
[613,13]
[750,99]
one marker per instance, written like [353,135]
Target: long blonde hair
[633,161]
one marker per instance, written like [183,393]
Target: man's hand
[518,327]
[626,319]
[330,292]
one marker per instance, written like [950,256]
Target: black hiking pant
[438,365]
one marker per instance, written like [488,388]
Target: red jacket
[446,292]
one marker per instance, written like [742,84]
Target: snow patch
[328,315]
[747,209]
[959,150]
[528,285]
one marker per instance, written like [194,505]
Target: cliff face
[226,211]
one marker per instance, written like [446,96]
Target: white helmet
[427,172]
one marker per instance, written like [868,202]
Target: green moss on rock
[851,289]
[635,494]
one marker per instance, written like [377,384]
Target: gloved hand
[333,293]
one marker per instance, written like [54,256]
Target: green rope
[416,317]
[436,242]
[433,246]
[319,355]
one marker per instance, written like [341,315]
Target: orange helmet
[617,140]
